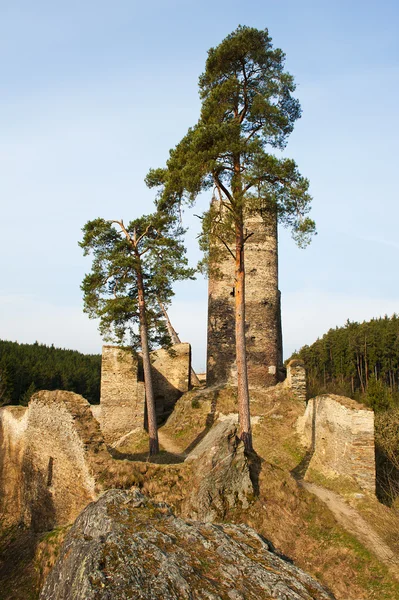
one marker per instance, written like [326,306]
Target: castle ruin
[263,310]
[339,433]
[122,408]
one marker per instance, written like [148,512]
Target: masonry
[122,407]
[263,313]
[339,433]
[50,456]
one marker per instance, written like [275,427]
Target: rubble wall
[122,394]
[171,371]
[50,455]
[263,311]
[122,389]
[339,433]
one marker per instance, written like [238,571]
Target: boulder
[221,477]
[125,546]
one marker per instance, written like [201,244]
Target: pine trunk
[149,392]
[241,357]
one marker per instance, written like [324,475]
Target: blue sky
[93,94]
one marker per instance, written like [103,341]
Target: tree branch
[220,185]
[224,244]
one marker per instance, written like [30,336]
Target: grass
[298,524]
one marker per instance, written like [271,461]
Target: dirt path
[169,444]
[351,520]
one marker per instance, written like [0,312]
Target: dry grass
[298,524]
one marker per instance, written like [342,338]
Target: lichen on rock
[124,546]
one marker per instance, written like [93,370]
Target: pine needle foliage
[248,112]
[110,290]
[133,269]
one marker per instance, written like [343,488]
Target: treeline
[360,360]
[26,368]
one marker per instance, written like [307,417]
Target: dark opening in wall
[50,471]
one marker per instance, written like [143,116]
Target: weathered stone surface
[296,378]
[221,477]
[171,370]
[263,314]
[13,423]
[122,394]
[122,407]
[339,433]
[124,546]
[50,455]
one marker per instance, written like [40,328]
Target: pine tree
[247,106]
[133,269]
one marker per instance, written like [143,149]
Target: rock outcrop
[221,477]
[124,546]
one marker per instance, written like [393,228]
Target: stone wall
[263,313]
[122,394]
[13,423]
[171,373]
[122,389]
[50,455]
[339,434]
[296,378]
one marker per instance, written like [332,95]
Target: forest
[360,360]
[26,368]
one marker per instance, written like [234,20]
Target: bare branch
[220,186]
[125,231]
[224,244]
[247,237]
[143,235]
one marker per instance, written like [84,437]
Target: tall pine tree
[247,107]
[133,269]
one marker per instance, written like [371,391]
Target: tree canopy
[131,279]
[247,106]
[25,368]
[360,360]
[247,109]
[111,289]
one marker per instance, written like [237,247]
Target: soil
[351,520]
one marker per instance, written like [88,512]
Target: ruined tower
[263,313]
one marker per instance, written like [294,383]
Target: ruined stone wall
[13,423]
[171,371]
[50,455]
[296,379]
[339,434]
[123,394]
[263,312]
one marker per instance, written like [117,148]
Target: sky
[94,93]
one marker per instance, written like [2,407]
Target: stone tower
[263,312]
